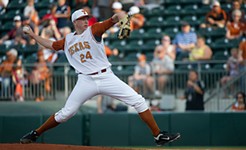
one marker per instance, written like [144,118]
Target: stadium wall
[123,129]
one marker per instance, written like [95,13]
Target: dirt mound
[54,147]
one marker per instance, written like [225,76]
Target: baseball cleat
[164,137]
[30,137]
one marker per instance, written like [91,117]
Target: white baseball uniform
[87,56]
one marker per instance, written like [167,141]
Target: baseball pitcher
[84,50]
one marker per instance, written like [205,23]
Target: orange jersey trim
[100,27]
[59,45]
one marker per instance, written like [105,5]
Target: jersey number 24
[86,56]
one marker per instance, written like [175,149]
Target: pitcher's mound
[53,147]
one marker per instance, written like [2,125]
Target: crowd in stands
[152,71]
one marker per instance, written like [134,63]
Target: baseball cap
[78,14]
[185,23]
[13,51]
[5,2]
[117,5]
[17,18]
[216,3]
[134,10]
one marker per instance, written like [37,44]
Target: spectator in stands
[31,13]
[127,4]
[201,51]
[15,35]
[184,41]
[105,8]
[117,8]
[49,16]
[63,13]
[91,19]
[40,78]
[51,26]
[236,5]
[137,20]
[235,28]
[162,66]
[51,32]
[105,104]
[19,79]
[3,5]
[240,104]
[216,17]
[82,3]
[27,21]
[232,67]
[169,48]
[194,92]
[141,72]
[6,69]
[242,52]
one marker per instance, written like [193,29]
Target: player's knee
[64,114]
[140,105]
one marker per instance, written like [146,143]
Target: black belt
[94,73]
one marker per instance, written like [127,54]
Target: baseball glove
[125,29]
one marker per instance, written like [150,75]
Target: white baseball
[26,29]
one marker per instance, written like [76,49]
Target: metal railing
[223,97]
[63,79]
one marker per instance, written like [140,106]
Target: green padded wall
[140,134]
[193,127]
[109,129]
[14,127]
[70,132]
[228,129]
[1,129]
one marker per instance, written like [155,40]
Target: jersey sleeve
[59,45]
[100,27]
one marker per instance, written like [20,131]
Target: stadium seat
[150,45]
[204,9]
[191,19]
[153,33]
[221,55]
[219,67]
[134,45]
[172,21]
[173,10]
[16,4]
[154,22]
[189,10]
[137,34]
[183,67]
[221,43]
[118,44]
[172,31]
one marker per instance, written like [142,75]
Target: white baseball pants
[106,83]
